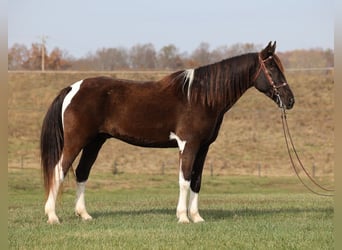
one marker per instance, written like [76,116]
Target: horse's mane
[220,83]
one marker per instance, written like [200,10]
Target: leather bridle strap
[267,75]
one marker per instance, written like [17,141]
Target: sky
[83,26]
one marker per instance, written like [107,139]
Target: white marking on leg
[50,205]
[59,175]
[193,207]
[80,208]
[184,186]
[189,75]
[74,89]
[181,144]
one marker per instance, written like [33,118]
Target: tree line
[145,56]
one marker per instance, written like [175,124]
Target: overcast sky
[82,26]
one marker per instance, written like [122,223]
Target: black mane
[218,84]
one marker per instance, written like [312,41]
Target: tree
[17,55]
[34,60]
[143,56]
[169,58]
[220,53]
[57,60]
[201,55]
[85,63]
[111,59]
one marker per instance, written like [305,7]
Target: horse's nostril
[291,101]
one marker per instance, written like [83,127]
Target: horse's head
[270,79]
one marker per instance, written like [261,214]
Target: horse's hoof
[183,220]
[84,215]
[53,220]
[196,218]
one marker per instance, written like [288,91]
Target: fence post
[21,161]
[115,168]
[259,169]
[163,168]
[313,170]
[211,170]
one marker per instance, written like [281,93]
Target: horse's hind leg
[50,205]
[61,169]
[88,158]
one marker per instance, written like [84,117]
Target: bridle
[287,135]
[269,78]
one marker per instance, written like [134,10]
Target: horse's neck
[235,91]
[238,84]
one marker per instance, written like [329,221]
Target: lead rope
[287,135]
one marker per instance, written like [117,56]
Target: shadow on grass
[220,214]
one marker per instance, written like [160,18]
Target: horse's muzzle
[290,103]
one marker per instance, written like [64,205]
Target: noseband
[268,77]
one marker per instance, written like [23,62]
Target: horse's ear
[274,47]
[269,50]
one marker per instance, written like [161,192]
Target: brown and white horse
[184,109]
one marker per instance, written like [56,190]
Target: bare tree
[220,53]
[17,55]
[34,60]
[85,63]
[225,51]
[143,56]
[201,55]
[170,58]
[111,59]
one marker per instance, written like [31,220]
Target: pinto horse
[184,109]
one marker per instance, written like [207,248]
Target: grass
[137,211]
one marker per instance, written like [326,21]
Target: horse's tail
[52,139]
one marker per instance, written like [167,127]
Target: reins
[288,138]
[286,130]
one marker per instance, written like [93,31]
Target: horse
[184,109]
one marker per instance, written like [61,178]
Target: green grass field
[133,211]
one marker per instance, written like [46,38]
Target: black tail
[52,138]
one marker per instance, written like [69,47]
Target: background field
[250,197]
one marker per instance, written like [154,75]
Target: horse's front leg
[193,208]
[195,184]
[187,154]
[184,185]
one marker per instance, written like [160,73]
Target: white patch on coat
[180,142]
[74,89]
[189,75]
